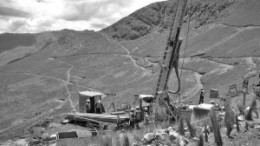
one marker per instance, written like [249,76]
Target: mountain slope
[157,15]
[248,11]
[10,41]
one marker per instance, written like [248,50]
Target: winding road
[132,59]
[67,84]
[127,52]
[198,86]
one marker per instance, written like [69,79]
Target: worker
[132,120]
[206,130]
[99,108]
[137,118]
[201,96]
[146,119]
[88,106]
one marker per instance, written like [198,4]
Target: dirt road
[196,89]
[67,84]
[128,54]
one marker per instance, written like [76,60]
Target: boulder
[257,127]
[21,142]
[195,139]
[171,128]
[161,134]
[182,141]
[149,137]
[55,125]
[173,134]
[53,136]
[65,121]
[34,141]
[45,136]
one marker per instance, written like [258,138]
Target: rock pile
[166,136]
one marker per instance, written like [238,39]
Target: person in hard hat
[131,120]
[201,96]
[88,106]
[99,108]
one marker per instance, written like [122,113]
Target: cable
[176,61]
[185,48]
[176,69]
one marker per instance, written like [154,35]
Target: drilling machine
[163,103]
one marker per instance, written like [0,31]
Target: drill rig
[163,103]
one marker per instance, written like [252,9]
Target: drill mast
[170,56]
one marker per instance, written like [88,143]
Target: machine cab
[147,98]
[92,96]
[144,105]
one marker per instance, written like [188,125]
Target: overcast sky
[22,16]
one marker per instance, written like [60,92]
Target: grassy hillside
[9,41]
[248,10]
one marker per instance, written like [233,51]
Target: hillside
[10,41]
[157,16]
[41,74]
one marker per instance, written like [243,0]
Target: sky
[32,16]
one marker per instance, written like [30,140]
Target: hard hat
[88,100]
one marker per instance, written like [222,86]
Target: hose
[175,65]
